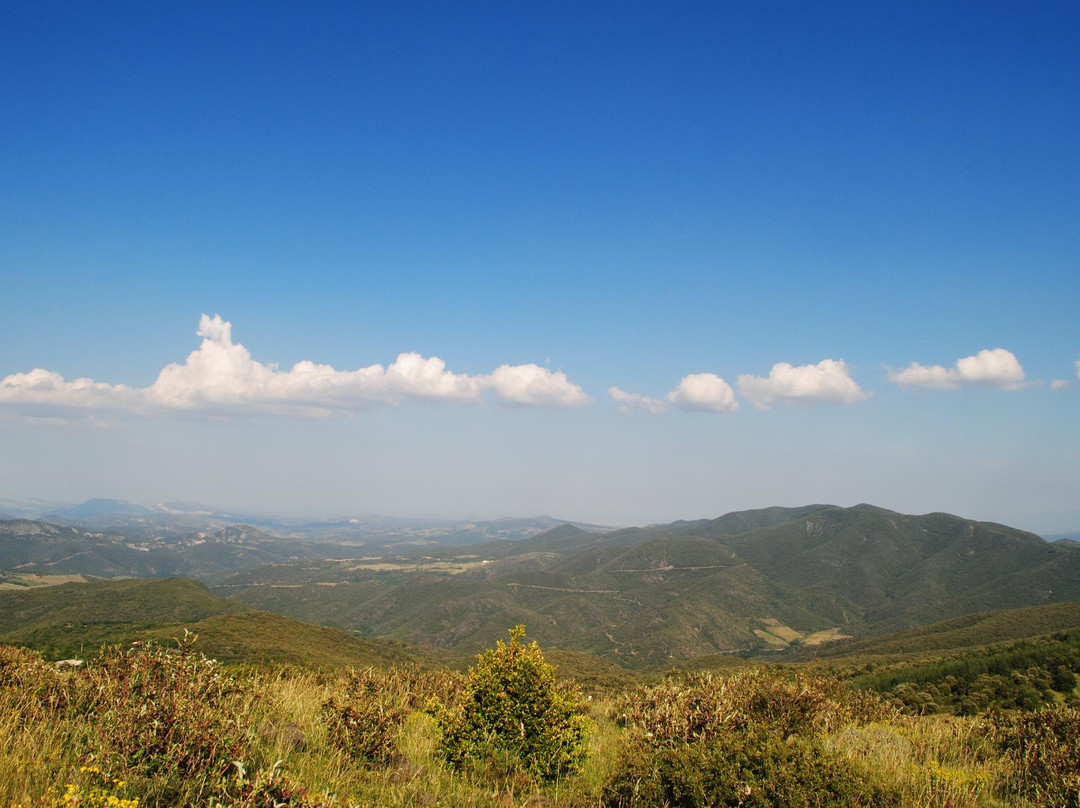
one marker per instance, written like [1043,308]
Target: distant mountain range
[44,549]
[748,582]
[74,621]
[156,520]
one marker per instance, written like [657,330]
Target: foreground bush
[513,715]
[174,716]
[744,768]
[750,739]
[704,707]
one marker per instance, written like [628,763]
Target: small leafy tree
[513,715]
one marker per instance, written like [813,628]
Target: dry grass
[922,761]
[931,761]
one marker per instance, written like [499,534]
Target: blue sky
[644,261]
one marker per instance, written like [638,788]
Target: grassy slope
[76,619]
[263,638]
[148,602]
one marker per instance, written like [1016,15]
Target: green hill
[134,602]
[902,571]
[1021,674]
[74,620]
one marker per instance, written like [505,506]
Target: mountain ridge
[653,596]
[746,582]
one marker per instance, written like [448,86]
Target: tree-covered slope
[905,570]
[667,594]
[969,631]
[75,620]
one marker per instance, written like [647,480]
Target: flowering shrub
[41,686]
[99,792]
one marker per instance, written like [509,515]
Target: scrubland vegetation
[148,725]
[1021,675]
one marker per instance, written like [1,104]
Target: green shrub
[702,707]
[513,715]
[742,768]
[750,739]
[1064,680]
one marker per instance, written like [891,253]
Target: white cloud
[635,402]
[1059,384]
[534,386]
[703,392]
[44,388]
[41,398]
[221,376]
[998,368]
[827,381]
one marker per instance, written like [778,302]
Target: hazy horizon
[1042,524]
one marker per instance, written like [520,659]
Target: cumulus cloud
[697,392]
[703,392]
[533,385]
[635,402]
[44,388]
[221,376]
[1059,384]
[827,381]
[997,368]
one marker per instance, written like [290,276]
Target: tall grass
[776,734]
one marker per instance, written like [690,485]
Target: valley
[768,582]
